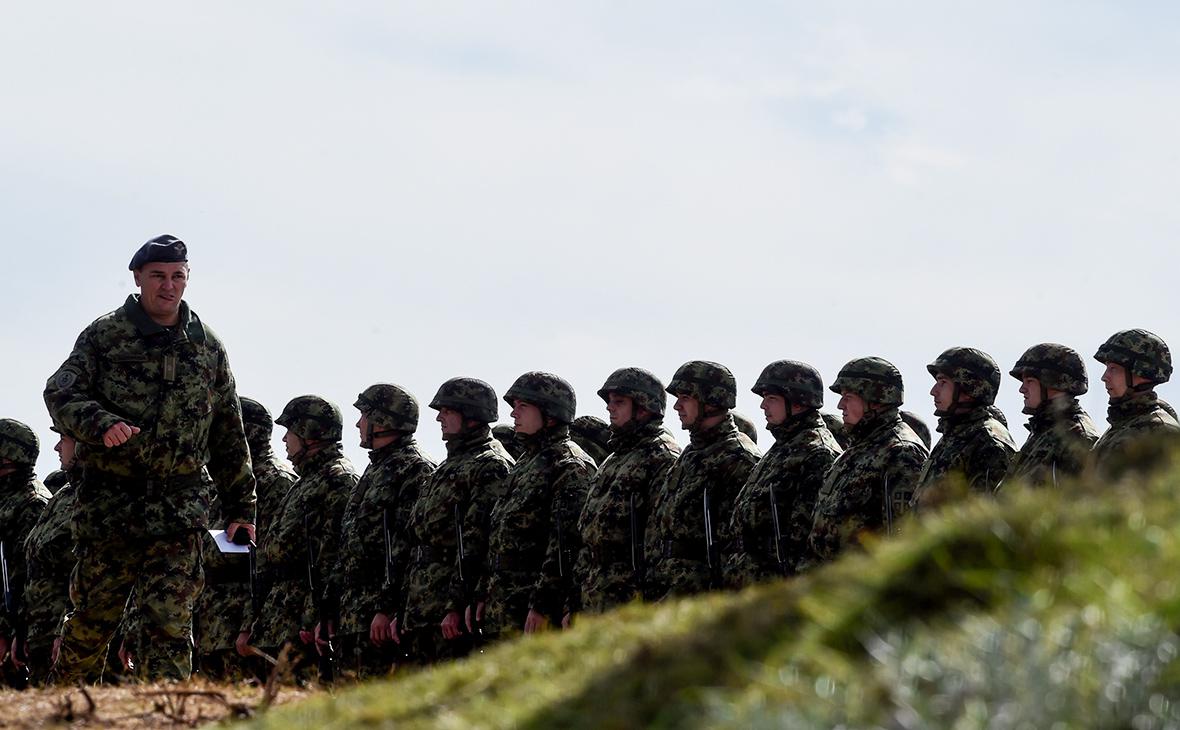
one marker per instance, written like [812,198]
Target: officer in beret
[149,395]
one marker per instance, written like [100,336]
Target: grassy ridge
[1050,607]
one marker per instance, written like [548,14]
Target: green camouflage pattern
[524,568]
[914,421]
[1143,353]
[389,407]
[745,426]
[311,511]
[468,482]
[868,488]
[49,559]
[1142,436]
[675,549]
[258,424]
[176,386]
[797,382]
[312,418]
[506,435]
[606,572]
[593,435]
[472,397]
[548,392]
[874,379]
[1055,366]
[1060,437]
[640,385]
[975,450]
[974,371]
[22,501]
[710,383]
[794,467]
[18,443]
[835,424]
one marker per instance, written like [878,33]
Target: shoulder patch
[65,379]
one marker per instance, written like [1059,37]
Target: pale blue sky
[380,192]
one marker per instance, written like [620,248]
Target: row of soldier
[418,562]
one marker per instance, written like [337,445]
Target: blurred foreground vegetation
[1043,610]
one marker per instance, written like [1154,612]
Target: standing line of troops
[417,562]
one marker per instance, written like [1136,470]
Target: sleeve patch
[65,379]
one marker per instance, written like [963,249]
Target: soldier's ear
[135,274]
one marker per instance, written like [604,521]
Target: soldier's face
[1115,380]
[688,408]
[161,287]
[852,406]
[526,417]
[293,443]
[1030,388]
[775,408]
[621,409]
[450,420]
[66,449]
[362,425]
[943,392]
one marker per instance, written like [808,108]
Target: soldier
[362,590]
[975,448]
[1061,434]
[301,546]
[222,606]
[696,499]
[767,535]
[919,426]
[835,424]
[593,435]
[609,567]
[148,391]
[448,526]
[747,429]
[870,485]
[506,435]
[49,558]
[1141,432]
[533,526]
[22,500]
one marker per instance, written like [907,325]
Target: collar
[388,451]
[189,323]
[312,463]
[632,433]
[794,425]
[1056,410]
[533,443]
[964,418]
[727,428]
[874,423]
[1131,405]
[477,439]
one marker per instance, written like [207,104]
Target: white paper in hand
[225,545]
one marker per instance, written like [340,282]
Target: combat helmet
[917,425]
[1055,366]
[641,386]
[874,379]
[18,443]
[472,397]
[710,383]
[972,371]
[1141,352]
[745,425]
[257,420]
[548,392]
[797,382]
[389,409]
[593,435]
[312,418]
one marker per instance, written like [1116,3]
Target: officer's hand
[567,620]
[118,434]
[242,644]
[535,622]
[451,628]
[235,526]
[379,629]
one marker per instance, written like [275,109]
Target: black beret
[163,249]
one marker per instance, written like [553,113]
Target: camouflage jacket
[544,495]
[1061,435]
[718,461]
[273,477]
[794,467]
[869,486]
[466,484]
[609,564]
[1140,436]
[358,587]
[175,385]
[975,448]
[308,520]
[22,502]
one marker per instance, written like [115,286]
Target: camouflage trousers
[165,575]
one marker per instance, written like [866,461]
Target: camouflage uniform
[870,485]
[506,435]
[49,556]
[835,424]
[22,501]
[303,541]
[533,535]
[358,588]
[463,489]
[712,469]
[1142,434]
[141,504]
[593,435]
[609,564]
[1061,434]
[746,428]
[919,426]
[975,447]
[760,544]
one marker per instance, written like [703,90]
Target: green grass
[1048,609]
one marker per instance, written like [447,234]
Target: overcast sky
[406,192]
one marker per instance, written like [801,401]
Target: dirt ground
[189,704]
